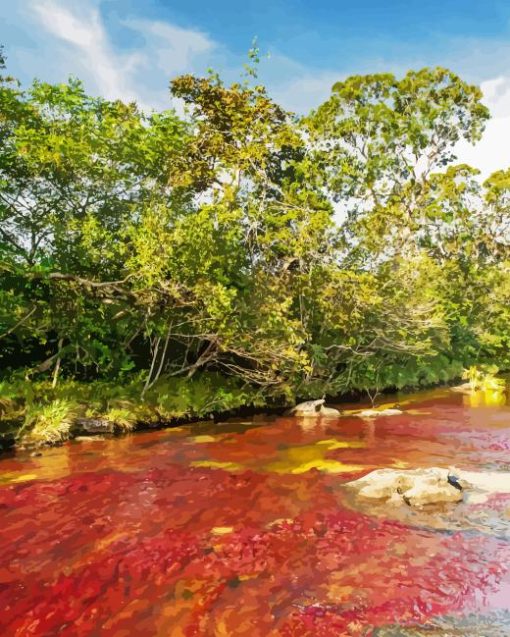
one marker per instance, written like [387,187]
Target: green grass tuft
[49,423]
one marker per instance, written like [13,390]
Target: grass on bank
[35,412]
[38,413]
[49,423]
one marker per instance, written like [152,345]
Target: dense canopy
[344,250]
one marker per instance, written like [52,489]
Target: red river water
[243,528]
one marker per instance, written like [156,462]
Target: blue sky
[130,48]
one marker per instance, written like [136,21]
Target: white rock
[430,490]
[374,413]
[417,488]
[308,408]
[480,485]
[465,388]
[329,412]
[314,409]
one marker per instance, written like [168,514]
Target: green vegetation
[53,413]
[39,412]
[156,266]
[50,422]
[484,380]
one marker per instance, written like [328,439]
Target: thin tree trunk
[57,364]
[163,357]
[154,357]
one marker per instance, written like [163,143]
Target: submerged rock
[465,388]
[416,488]
[480,485]
[89,438]
[495,623]
[315,409]
[308,408]
[374,413]
[329,412]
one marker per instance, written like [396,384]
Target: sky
[129,49]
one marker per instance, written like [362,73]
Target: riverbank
[36,413]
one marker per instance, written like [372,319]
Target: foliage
[49,423]
[484,379]
[47,413]
[238,254]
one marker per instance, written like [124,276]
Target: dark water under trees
[243,528]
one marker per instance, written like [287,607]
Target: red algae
[244,529]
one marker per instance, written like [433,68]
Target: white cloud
[74,40]
[80,44]
[492,152]
[307,91]
[87,36]
[176,49]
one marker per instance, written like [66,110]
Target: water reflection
[487,398]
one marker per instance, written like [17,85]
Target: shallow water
[243,528]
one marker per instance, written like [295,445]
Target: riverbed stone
[308,408]
[93,438]
[87,426]
[479,486]
[329,412]
[465,388]
[375,413]
[416,488]
[314,409]
[489,624]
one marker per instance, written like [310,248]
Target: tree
[378,139]
[164,245]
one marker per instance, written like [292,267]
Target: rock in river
[315,409]
[374,413]
[417,488]
[91,426]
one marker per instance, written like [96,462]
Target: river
[243,528]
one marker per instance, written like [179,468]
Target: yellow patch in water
[14,477]
[410,399]
[213,464]
[327,466]
[306,457]
[105,542]
[202,439]
[339,592]
[394,405]
[487,398]
[222,530]
[399,464]
[341,444]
